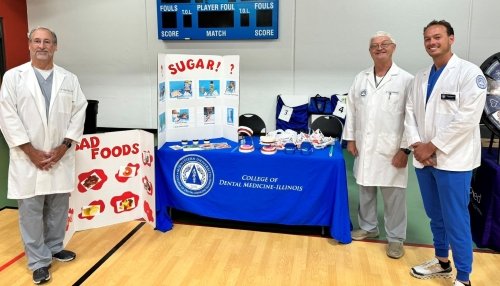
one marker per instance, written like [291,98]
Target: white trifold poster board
[115,181]
[198,97]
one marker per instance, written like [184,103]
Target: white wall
[112,46]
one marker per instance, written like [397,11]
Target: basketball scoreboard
[217,19]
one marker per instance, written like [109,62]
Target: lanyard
[375,77]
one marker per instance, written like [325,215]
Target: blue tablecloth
[289,189]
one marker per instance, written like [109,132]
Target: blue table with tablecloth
[289,188]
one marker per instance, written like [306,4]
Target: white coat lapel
[370,79]
[450,66]
[57,80]
[36,92]
[393,71]
[425,85]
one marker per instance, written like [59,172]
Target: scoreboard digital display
[217,19]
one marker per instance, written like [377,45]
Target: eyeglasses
[383,45]
[306,148]
[44,42]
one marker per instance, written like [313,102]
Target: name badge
[447,96]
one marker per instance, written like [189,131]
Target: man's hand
[43,160]
[425,153]
[55,155]
[400,160]
[39,158]
[351,148]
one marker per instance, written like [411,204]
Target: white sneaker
[458,283]
[431,269]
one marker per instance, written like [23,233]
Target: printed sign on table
[114,180]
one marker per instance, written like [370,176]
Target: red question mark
[232,67]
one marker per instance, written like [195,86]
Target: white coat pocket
[393,103]
[65,102]
[448,102]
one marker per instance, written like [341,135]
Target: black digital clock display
[217,19]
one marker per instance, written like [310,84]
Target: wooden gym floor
[134,254]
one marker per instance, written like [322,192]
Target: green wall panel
[4,167]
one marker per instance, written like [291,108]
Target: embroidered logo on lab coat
[481,81]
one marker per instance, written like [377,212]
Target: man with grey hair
[374,132]
[42,112]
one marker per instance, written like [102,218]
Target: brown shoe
[360,234]
[395,250]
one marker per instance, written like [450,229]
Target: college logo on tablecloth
[193,176]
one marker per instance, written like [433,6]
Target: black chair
[253,122]
[329,125]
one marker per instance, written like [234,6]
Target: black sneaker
[41,275]
[64,255]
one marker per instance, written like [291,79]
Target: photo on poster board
[231,87]
[181,117]
[230,116]
[209,88]
[161,88]
[181,89]
[209,115]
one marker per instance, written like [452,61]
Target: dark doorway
[2,52]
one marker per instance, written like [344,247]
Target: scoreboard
[217,19]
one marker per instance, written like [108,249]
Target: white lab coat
[451,119]
[23,119]
[375,120]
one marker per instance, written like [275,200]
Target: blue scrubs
[446,196]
